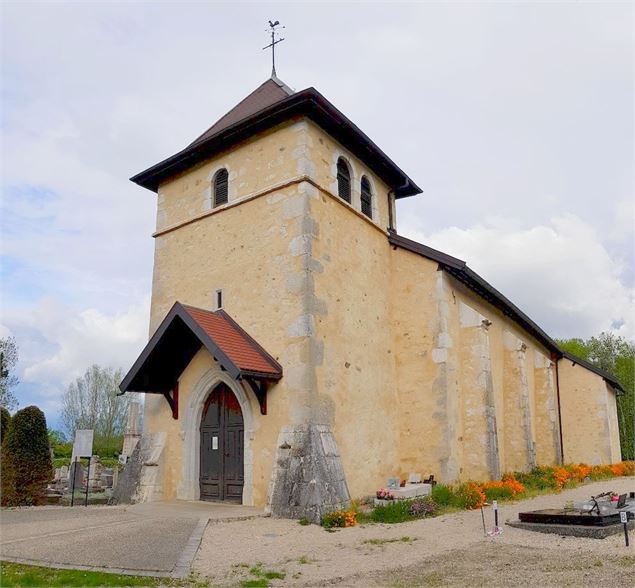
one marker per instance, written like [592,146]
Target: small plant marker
[624,521]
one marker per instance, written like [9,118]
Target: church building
[302,351]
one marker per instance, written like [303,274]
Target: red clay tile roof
[243,351]
[181,335]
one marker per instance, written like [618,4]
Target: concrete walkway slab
[155,539]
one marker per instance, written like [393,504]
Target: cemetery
[85,480]
[601,516]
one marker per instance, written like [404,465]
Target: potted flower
[384,496]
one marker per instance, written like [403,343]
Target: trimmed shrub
[26,460]
[5,419]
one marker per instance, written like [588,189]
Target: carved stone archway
[188,487]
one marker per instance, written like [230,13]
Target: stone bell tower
[257,218]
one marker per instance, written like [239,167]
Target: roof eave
[606,376]
[460,271]
[180,310]
[307,102]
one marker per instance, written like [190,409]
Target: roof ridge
[284,86]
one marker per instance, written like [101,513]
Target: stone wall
[589,416]
[390,365]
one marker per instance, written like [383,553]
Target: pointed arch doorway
[222,433]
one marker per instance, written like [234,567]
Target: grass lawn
[13,574]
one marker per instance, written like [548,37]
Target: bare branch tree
[91,402]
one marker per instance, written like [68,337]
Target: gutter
[554,358]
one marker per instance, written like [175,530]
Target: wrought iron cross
[274,42]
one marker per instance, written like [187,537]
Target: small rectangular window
[219,299]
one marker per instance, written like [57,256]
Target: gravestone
[64,472]
[393,483]
[106,479]
[77,471]
[414,478]
[94,473]
[83,444]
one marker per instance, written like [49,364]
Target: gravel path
[449,550]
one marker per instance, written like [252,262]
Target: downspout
[391,203]
[554,358]
[391,220]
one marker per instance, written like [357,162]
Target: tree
[8,380]
[615,355]
[56,437]
[91,402]
[26,460]
[5,420]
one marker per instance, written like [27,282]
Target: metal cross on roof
[274,42]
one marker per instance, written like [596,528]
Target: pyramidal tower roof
[267,94]
[270,104]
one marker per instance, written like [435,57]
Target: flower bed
[471,495]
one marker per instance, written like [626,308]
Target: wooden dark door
[222,438]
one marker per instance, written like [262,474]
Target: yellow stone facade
[409,369]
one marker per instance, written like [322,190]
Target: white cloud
[60,342]
[92,94]
[559,273]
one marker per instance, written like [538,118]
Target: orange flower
[629,468]
[561,477]
[617,469]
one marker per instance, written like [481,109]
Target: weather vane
[274,42]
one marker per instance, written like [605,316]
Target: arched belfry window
[367,198]
[343,180]
[221,187]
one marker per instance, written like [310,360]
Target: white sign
[83,445]
[623,517]
[495,504]
[214,443]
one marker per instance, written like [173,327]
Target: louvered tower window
[221,187]
[367,198]
[343,180]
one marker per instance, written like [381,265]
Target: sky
[515,118]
